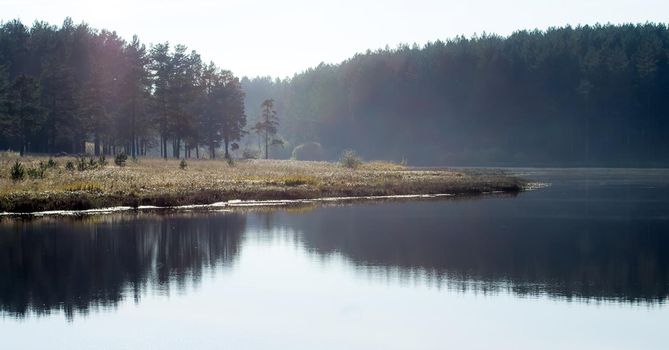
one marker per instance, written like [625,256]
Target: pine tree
[268,125]
[234,119]
[135,93]
[25,112]
[161,70]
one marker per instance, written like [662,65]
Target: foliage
[587,95]
[84,163]
[25,114]
[51,163]
[17,172]
[465,100]
[64,86]
[223,118]
[36,172]
[350,159]
[249,153]
[268,126]
[120,159]
[102,161]
[69,165]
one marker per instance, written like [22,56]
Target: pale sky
[280,38]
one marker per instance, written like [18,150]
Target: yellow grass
[152,181]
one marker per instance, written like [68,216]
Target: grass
[163,183]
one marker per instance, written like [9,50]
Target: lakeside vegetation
[159,182]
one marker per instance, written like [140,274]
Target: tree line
[579,96]
[63,87]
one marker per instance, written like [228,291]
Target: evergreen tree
[161,69]
[234,118]
[24,110]
[268,125]
[5,120]
[135,94]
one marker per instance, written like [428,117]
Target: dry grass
[161,182]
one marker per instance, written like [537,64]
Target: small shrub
[69,165]
[350,159]
[120,159]
[82,165]
[36,173]
[230,161]
[249,153]
[183,164]
[51,163]
[17,172]
[102,161]
[92,163]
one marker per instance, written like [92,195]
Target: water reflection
[75,264]
[595,234]
[445,246]
[588,238]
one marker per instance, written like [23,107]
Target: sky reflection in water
[585,261]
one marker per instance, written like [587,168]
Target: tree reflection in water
[484,246]
[75,264]
[480,245]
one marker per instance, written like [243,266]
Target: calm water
[583,263]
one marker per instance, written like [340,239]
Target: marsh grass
[154,181]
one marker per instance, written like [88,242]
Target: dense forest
[63,87]
[572,96]
[583,96]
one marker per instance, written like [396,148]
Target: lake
[583,263]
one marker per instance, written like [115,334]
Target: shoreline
[237,204]
[231,204]
[161,184]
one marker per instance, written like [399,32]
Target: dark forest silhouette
[61,87]
[589,95]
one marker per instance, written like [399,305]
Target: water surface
[583,263]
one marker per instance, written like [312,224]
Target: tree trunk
[96,141]
[132,129]
[227,154]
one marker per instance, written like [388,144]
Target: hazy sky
[280,38]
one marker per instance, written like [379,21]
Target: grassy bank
[164,183]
